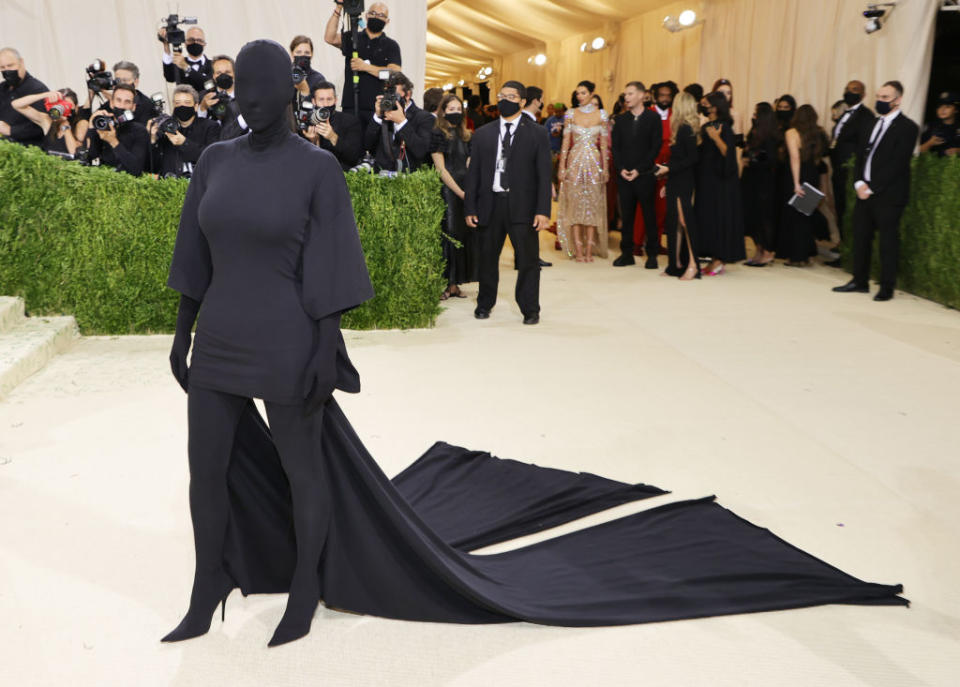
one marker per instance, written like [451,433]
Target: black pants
[839,180]
[872,216]
[642,191]
[526,248]
[213,417]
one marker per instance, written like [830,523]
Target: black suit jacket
[890,167]
[415,136]
[196,78]
[853,136]
[636,141]
[349,148]
[169,159]
[530,172]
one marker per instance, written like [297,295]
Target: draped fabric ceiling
[809,48]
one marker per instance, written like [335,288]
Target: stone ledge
[27,347]
[11,313]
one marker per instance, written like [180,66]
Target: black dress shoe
[481,314]
[624,260]
[851,287]
[651,264]
[544,263]
[531,319]
[884,295]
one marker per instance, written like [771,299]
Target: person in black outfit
[636,140]
[450,149]
[719,211]
[883,189]
[175,154]
[507,192]
[270,326]
[301,52]
[680,221]
[194,68]
[806,144]
[400,141]
[943,136]
[849,136]
[341,133]
[231,121]
[128,73]
[376,53]
[125,145]
[63,130]
[17,83]
[761,163]
[475,113]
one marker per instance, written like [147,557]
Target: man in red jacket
[664,94]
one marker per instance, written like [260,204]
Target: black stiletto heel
[200,614]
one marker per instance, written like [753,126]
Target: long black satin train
[398,549]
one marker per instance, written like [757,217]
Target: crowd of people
[684,164]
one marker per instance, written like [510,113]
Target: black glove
[322,370]
[186,316]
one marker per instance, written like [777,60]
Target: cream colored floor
[828,418]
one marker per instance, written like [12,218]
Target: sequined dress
[582,198]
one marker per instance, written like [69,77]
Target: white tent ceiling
[463,35]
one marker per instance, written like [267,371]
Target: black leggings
[213,418]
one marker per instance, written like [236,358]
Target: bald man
[850,134]
[194,67]
[17,83]
[377,55]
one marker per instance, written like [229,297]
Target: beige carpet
[828,418]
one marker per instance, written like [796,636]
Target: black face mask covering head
[264,89]
[12,77]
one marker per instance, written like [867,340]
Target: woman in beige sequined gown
[583,173]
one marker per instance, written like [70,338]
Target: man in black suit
[637,137]
[850,134]
[507,192]
[532,110]
[16,83]
[129,73]
[341,133]
[194,68]
[399,139]
[883,188]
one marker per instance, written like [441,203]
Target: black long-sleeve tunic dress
[681,185]
[719,210]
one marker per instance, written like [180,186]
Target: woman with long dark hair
[450,149]
[806,145]
[62,126]
[759,184]
[680,220]
[719,211]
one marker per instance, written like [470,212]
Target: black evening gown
[718,206]
[681,186]
[401,548]
[797,230]
[462,263]
[760,199]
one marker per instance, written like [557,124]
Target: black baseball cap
[949,98]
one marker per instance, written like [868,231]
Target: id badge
[501,165]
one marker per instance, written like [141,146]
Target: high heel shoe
[203,603]
[714,272]
[298,615]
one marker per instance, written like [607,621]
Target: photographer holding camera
[399,135]
[337,132]
[60,123]
[128,73]
[376,54]
[301,52]
[116,139]
[194,68]
[179,139]
[943,136]
[16,84]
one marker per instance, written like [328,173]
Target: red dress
[660,206]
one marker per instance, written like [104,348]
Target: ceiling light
[540,59]
[448,86]
[488,71]
[687,18]
[461,82]
[583,47]
[598,43]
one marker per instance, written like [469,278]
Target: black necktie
[504,157]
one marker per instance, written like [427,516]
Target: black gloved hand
[186,315]
[322,369]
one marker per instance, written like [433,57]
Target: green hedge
[929,232]
[97,244]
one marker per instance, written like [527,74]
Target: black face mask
[263,90]
[184,113]
[508,108]
[224,81]
[851,98]
[302,61]
[883,107]
[195,50]
[454,118]
[376,25]
[12,77]
[785,116]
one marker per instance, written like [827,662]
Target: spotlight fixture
[461,82]
[487,71]
[583,47]
[448,86]
[540,59]
[685,20]
[598,43]
[876,14]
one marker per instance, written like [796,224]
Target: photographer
[943,136]
[301,52]
[16,84]
[128,73]
[340,133]
[376,52]
[62,128]
[116,139]
[178,140]
[194,68]
[399,135]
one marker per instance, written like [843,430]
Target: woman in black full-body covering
[450,148]
[680,224]
[719,211]
[761,205]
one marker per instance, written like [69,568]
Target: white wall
[58,38]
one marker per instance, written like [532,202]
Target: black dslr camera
[98,78]
[390,101]
[303,115]
[176,36]
[352,8]
[219,109]
[320,115]
[167,124]
[102,122]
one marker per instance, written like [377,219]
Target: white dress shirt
[844,119]
[879,129]
[497,188]
[664,114]
[396,127]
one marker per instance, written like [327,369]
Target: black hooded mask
[264,89]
